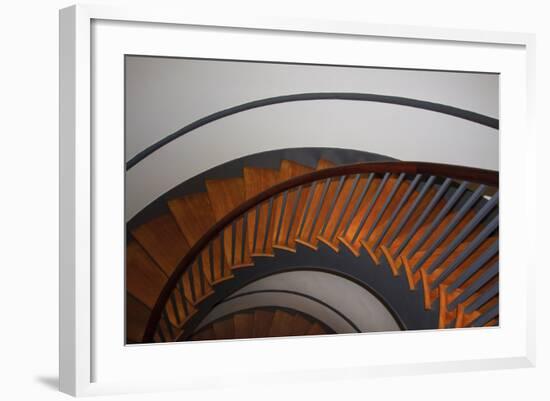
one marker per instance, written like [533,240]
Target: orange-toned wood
[468,261]
[163,241]
[392,263]
[388,211]
[443,320]
[288,170]
[331,229]
[144,278]
[459,316]
[299,325]
[412,278]
[194,215]
[137,314]
[427,290]
[206,333]
[257,180]
[371,252]
[224,329]
[244,324]
[356,250]
[323,164]
[347,237]
[311,227]
[199,294]
[280,325]
[423,204]
[221,269]
[315,329]
[225,195]
[262,323]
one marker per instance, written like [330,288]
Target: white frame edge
[75,278]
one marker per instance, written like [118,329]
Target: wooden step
[299,325]
[225,196]
[280,325]
[413,219]
[429,278]
[195,216]
[137,315]
[379,231]
[352,237]
[195,284]
[257,180]
[244,324]
[206,333]
[315,329]
[336,221]
[262,323]
[313,219]
[145,280]
[224,328]
[293,208]
[163,241]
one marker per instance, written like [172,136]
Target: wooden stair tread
[244,324]
[289,169]
[262,323]
[163,241]
[323,164]
[315,329]
[224,329]
[280,325]
[206,333]
[312,221]
[144,278]
[257,180]
[226,195]
[299,325]
[286,239]
[137,316]
[194,215]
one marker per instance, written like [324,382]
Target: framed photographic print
[240,190]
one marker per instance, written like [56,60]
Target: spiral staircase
[435,225]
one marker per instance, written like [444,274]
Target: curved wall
[357,304]
[163,95]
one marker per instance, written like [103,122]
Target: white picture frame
[89,366]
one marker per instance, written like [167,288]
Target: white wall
[29,166]
[165,94]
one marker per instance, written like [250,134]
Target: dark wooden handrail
[480,176]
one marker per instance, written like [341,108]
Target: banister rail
[365,97]
[473,175]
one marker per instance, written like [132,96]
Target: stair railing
[172,294]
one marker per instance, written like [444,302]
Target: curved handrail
[366,97]
[481,176]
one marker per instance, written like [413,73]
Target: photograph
[275,199]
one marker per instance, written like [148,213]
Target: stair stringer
[405,305]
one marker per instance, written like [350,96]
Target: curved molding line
[366,97]
[299,294]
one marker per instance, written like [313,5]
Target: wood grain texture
[163,241]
